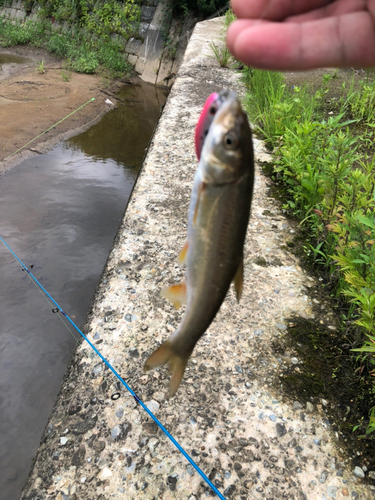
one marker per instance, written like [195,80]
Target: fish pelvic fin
[176,294]
[238,280]
[176,364]
[182,256]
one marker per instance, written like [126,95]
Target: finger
[345,41]
[338,8]
[274,10]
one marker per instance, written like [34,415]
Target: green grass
[326,163]
[84,54]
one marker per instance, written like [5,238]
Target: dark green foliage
[205,7]
[329,181]
[82,54]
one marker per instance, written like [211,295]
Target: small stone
[324,402]
[340,472]
[128,317]
[294,361]
[273,418]
[120,412]
[152,444]
[371,475]
[97,369]
[298,449]
[116,431]
[104,474]
[258,332]
[359,472]
[153,406]
[171,482]
[317,441]
[64,440]
[280,430]
[230,490]
[345,492]
[227,474]
[323,477]
[96,336]
[297,406]
[309,407]
[331,491]
[190,470]
[280,326]
[355,494]
[265,444]
[238,369]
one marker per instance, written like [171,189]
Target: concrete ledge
[226,413]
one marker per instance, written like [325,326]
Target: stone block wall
[153,61]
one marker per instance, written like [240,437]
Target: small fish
[218,218]
[210,108]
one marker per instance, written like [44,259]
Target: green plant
[83,53]
[66,75]
[40,67]
[222,55]
[329,183]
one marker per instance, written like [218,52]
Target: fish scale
[218,217]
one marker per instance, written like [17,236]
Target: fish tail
[176,364]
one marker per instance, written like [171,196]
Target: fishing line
[117,395]
[48,129]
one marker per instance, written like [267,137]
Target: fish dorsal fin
[176,294]
[201,188]
[183,254]
[238,280]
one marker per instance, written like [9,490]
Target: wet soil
[31,102]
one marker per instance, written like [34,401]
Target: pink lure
[209,110]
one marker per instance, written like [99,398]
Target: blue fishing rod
[137,399]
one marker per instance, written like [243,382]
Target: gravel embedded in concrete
[226,414]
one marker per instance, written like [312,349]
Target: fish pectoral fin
[201,188]
[176,294]
[238,280]
[176,364]
[183,254]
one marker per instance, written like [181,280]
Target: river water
[60,213]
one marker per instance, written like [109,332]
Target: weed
[40,67]
[329,182]
[222,55]
[83,53]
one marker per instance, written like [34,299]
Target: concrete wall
[250,440]
[146,50]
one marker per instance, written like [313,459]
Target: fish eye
[213,110]
[230,141]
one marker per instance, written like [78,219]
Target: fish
[210,108]
[218,217]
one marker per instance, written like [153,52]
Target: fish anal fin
[238,280]
[201,188]
[176,364]
[176,294]
[183,254]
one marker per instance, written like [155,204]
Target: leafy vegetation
[84,54]
[327,164]
[101,18]
[205,7]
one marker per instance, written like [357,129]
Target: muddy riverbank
[32,101]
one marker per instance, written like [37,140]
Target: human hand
[303,34]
